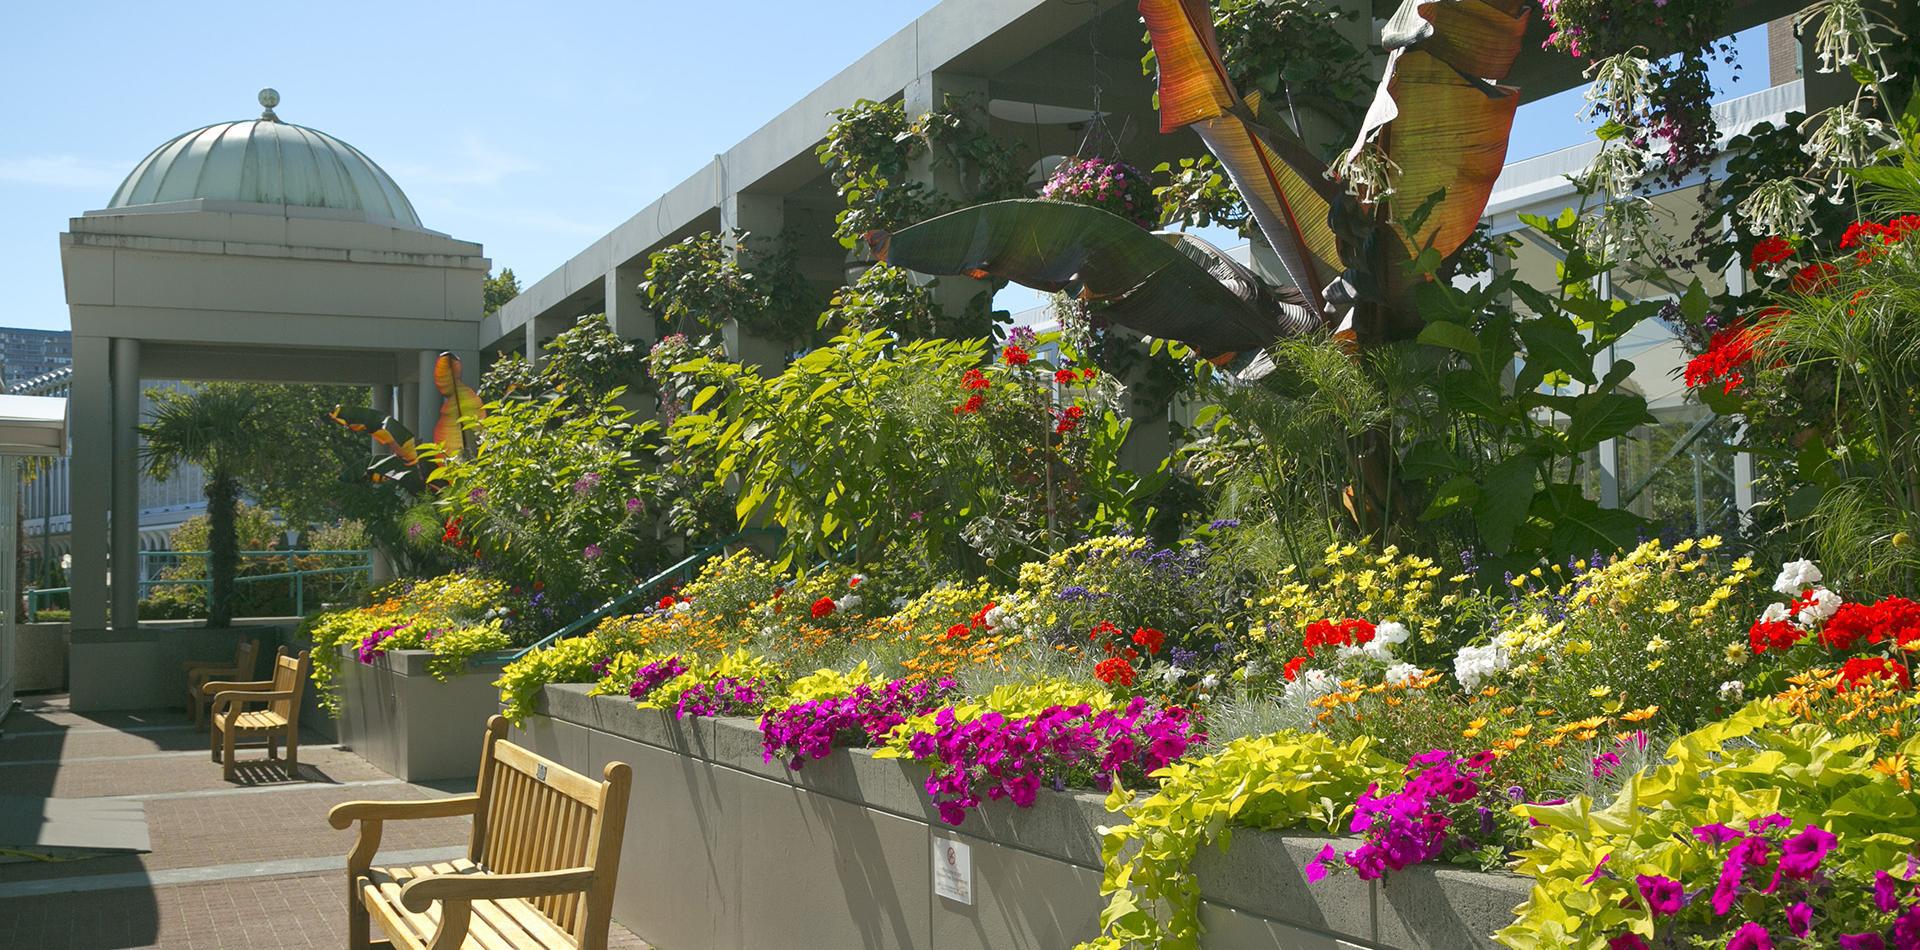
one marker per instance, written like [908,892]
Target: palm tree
[215,428]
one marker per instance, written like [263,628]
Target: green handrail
[299,577]
[645,588]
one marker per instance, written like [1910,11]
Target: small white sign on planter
[953,870]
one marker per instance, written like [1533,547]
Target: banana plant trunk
[223,547]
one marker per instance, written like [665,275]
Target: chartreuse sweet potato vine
[1670,825]
[1282,780]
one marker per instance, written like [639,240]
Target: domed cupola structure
[258,251]
[265,161]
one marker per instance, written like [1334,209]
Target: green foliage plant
[567,661]
[871,154]
[1279,781]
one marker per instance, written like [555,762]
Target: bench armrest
[244,697]
[345,814]
[420,894]
[223,686]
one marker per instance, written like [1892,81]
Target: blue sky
[531,132]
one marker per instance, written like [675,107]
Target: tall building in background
[26,353]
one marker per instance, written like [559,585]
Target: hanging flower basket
[1107,184]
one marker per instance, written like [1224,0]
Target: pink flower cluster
[1112,186]
[369,649]
[1782,868]
[648,678]
[811,729]
[1410,825]
[993,757]
[721,696]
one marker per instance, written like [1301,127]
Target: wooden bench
[279,694]
[539,868]
[200,672]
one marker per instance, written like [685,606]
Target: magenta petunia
[1866,941]
[1317,868]
[1801,854]
[1886,893]
[1664,895]
[1751,936]
[1800,919]
[1627,941]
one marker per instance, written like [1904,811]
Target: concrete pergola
[252,250]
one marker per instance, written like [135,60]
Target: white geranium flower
[1392,633]
[1209,681]
[1796,576]
[1311,685]
[1472,665]
[996,617]
[1825,604]
[849,602]
[1733,691]
[1775,613]
[1401,673]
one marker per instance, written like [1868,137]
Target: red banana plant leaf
[459,407]
[384,429]
[1171,286]
[1281,181]
[1440,114]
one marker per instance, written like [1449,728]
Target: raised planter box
[724,850]
[404,722]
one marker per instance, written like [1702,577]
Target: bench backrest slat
[289,675]
[537,815]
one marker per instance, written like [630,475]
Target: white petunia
[1796,576]
[1733,691]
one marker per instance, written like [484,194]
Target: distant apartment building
[28,353]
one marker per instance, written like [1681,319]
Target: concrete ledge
[847,843]
[40,652]
[406,723]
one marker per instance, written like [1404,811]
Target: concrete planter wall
[726,851]
[140,669]
[40,650]
[404,722]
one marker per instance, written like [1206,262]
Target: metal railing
[681,570]
[297,576]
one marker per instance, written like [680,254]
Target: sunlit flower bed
[1679,748]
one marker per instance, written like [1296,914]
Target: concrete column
[426,398]
[762,217]
[90,487]
[530,342]
[926,94]
[126,484]
[630,320]
[1743,493]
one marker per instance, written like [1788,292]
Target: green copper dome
[266,161]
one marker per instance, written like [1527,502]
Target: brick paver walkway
[251,864]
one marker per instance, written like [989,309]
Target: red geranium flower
[1814,278]
[972,405]
[1069,420]
[1861,667]
[1015,356]
[1065,377]
[957,631]
[1894,618]
[1089,373]
[1776,635]
[974,379]
[1292,670]
[823,607]
[1150,638]
[1348,632]
[1112,670]
[1726,352]
[1770,250]
[666,602]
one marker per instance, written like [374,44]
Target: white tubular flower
[1844,38]
[1841,139]
[1780,206]
[1210,682]
[1796,576]
[1733,691]
[1622,86]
